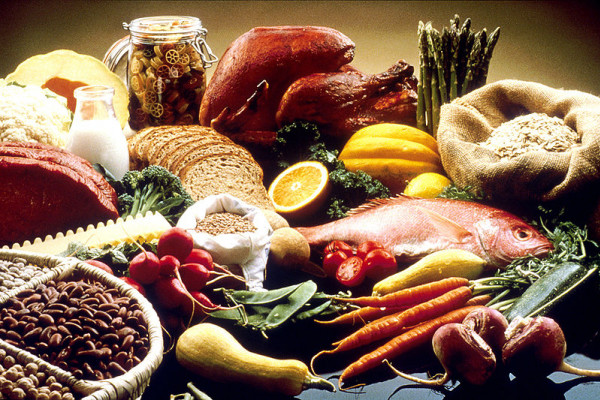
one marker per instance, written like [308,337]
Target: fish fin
[374,203]
[446,227]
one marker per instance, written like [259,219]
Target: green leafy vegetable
[152,189]
[351,190]
[467,193]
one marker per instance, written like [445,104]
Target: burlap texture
[533,176]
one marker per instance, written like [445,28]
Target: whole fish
[412,227]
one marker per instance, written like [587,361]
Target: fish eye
[522,234]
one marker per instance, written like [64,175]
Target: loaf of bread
[45,190]
[206,162]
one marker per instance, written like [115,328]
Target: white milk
[100,141]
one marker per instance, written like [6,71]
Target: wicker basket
[130,385]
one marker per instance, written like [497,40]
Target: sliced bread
[226,173]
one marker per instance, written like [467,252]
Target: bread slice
[199,150]
[160,141]
[147,141]
[226,173]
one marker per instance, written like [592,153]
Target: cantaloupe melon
[62,71]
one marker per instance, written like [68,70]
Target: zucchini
[550,290]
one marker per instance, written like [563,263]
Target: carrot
[480,300]
[362,315]
[410,296]
[411,339]
[399,322]
[394,324]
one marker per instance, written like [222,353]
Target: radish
[194,276]
[536,347]
[176,242]
[101,265]
[144,267]
[171,322]
[133,283]
[169,292]
[168,265]
[200,256]
[198,305]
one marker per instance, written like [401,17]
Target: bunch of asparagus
[452,64]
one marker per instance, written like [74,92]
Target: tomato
[351,272]
[332,261]
[336,245]
[379,263]
[366,247]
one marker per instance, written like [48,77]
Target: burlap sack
[533,176]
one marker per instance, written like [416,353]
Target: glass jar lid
[164,25]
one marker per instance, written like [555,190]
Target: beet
[463,354]
[536,347]
[490,324]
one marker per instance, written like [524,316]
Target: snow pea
[254,297]
[295,301]
[269,309]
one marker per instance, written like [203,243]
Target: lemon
[427,185]
[300,189]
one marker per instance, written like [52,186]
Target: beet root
[534,348]
[463,354]
[490,324]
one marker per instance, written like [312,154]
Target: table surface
[554,43]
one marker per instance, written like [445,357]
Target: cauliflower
[31,114]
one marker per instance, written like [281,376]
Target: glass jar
[167,58]
[96,133]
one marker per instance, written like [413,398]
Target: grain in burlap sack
[533,176]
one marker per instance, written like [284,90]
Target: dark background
[554,43]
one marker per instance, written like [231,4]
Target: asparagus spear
[446,50]
[421,108]
[463,49]
[489,49]
[435,84]
[478,61]
[453,55]
[435,51]
[472,62]
[426,73]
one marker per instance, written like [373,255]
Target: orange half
[300,189]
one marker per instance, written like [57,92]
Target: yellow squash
[213,353]
[435,266]
[392,153]
[396,131]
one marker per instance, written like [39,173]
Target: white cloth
[249,249]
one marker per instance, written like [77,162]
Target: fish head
[508,238]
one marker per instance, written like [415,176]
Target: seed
[223,223]
[46,320]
